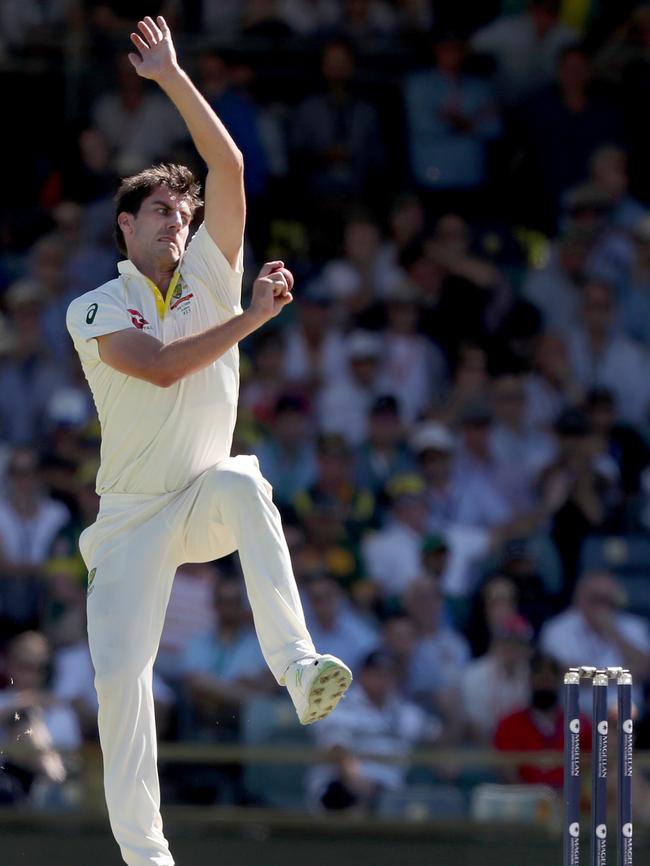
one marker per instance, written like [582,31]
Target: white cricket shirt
[158,440]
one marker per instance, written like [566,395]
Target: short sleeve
[204,261]
[92,316]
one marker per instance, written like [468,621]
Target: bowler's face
[160,228]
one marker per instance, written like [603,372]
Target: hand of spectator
[482,274]
[157,57]
[556,490]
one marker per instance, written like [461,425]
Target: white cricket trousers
[136,545]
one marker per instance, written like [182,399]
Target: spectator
[525,47]
[361,276]
[556,287]
[552,387]
[50,269]
[406,223]
[90,181]
[563,125]
[29,521]
[609,173]
[334,488]
[88,261]
[515,442]
[497,683]
[635,287]
[240,116]
[623,62]
[261,391]
[34,726]
[331,548]
[139,126]
[366,23]
[69,425]
[463,294]
[439,656]
[596,628]
[263,19]
[189,616]
[603,357]
[314,347]
[581,489]
[393,556]
[533,566]
[495,602]
[610,252]
[308,17]
[451,498]
[398,638]
[335,624]
[435,557]
[224,666]
[620,442]
[475,466]
[222,20]
[28,22]
[27,376]
[414,367]
[539,726]
[451,118]
[469,386]
[374,719]
[336,134]
[344,403]
[287,455]
[384,454]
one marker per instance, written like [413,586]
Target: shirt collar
[127,268]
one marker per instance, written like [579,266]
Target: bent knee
[240,479]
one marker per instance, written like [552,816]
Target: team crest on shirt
[181,296]
[139,320]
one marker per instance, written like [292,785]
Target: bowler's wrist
[170,76]
[254,318]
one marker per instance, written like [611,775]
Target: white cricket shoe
[316,685]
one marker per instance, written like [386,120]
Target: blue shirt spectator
[334,625]
[239,114]
[450,119]
[525,47]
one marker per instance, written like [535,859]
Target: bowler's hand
[157,57]
[271,291]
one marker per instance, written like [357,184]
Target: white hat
[431,435]
[363,344]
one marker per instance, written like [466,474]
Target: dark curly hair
[135,189]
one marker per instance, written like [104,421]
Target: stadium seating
[271,721]
[423,803]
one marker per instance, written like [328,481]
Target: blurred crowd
[454,413]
